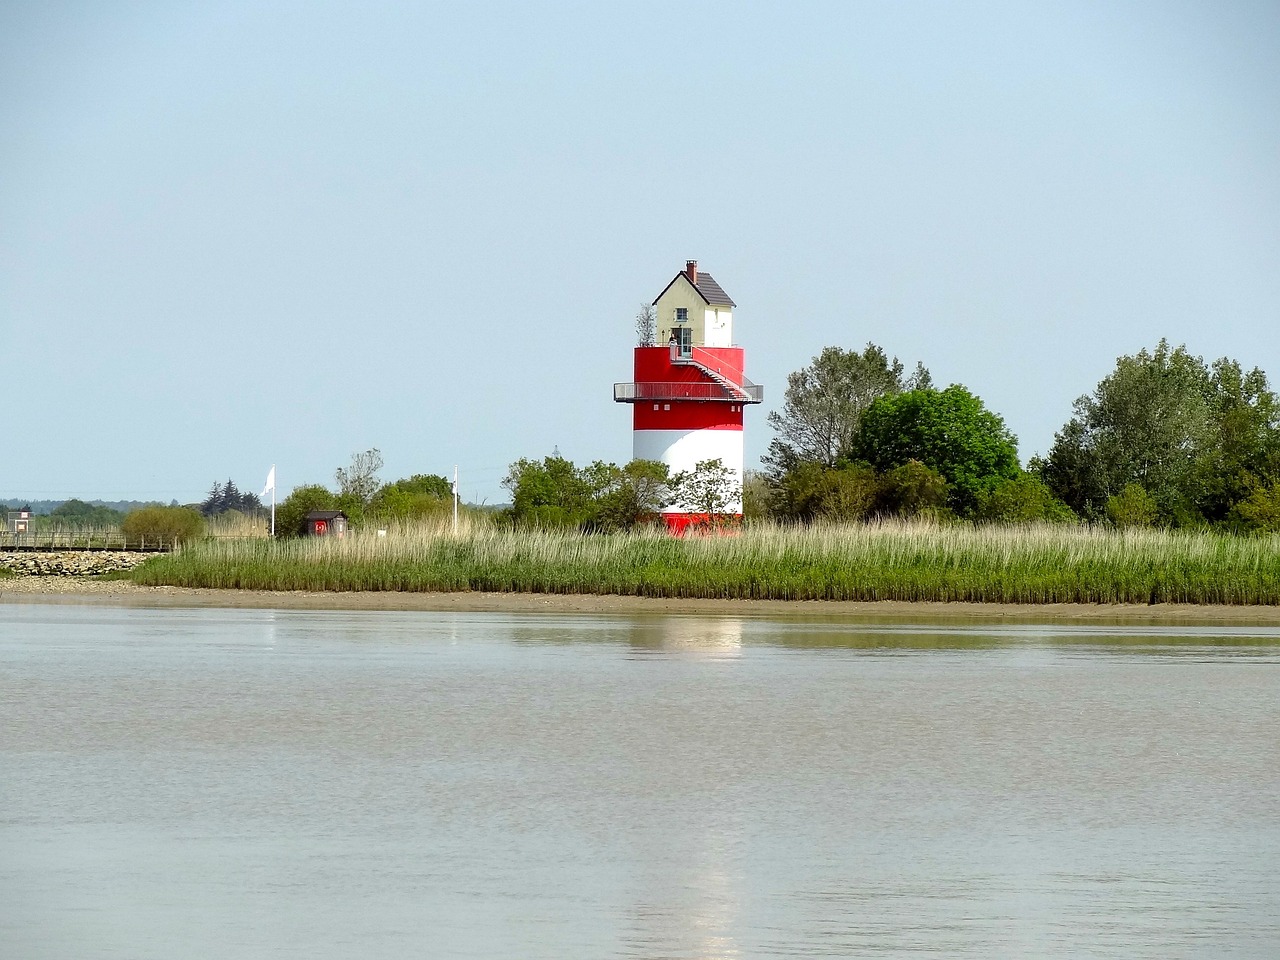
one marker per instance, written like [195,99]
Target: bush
[1024,499]
[163,525]
[1260,510]
[914,489]
[291,515]
[1133,507]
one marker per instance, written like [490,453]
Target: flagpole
[455,499]
[271,485]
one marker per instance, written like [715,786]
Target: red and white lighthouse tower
[689,392]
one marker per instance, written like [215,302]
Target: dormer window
[682,314]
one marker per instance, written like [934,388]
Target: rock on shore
[70,563]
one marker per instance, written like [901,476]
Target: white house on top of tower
[695,309]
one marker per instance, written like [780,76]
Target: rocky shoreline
[70,563]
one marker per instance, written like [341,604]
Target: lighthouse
[689,392]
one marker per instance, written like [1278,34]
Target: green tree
[947,430]
[631,495]
[78,514]
[1259,509]
[169,525]
[548,493]
[291,513]
[1242,452]
[824,403]
[412,498]
[1133,506]
[1022,499]
[810,491]
[553,492]
[1151,422]
[709,488]
[913,489]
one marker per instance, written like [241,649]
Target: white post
[455,499]
[273,506]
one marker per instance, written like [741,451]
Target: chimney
[691,271]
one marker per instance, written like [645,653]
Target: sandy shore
[124,593]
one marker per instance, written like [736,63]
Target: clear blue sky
[247,233]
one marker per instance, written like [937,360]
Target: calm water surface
[235,783]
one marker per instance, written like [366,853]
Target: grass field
[893,561]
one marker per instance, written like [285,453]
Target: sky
[250,233]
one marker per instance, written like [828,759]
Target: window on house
[682,314]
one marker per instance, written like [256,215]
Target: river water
[204,783]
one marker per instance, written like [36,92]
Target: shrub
[913,489]
[1023,499]
[163,524]
[1133,507]
[291,515]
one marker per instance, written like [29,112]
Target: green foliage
[949,431]
[553,493]
[757,495]
[710,488]
[1193,437]
[1023,499]
[1133,507]
[163,525]
[77,513]
[224,497]
[810,491]
[291,514]
[912,490]
[630,495]
[1260,509]
[412,498]
[824,403]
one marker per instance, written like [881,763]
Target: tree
[1133,507]
[1260,509]
[709,488]
[947,430]
[225,497]
[1242,454]
[77,513]
[412,498]
[632,495]
[1023,499]
[553,492]
[811,491]
[912,490]
[548,493]
[291,513]
[646,325]
[1192,437]
[359,482]
[168,525]
[824,403]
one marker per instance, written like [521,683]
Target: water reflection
[699,637]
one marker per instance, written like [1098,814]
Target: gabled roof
[707,288]
[325,515]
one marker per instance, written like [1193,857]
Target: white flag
[271,482]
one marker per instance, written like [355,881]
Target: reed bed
[889,561]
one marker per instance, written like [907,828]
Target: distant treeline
[45,507]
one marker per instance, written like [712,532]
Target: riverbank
[855,563]
[86,590]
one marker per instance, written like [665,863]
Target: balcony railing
[685,390]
